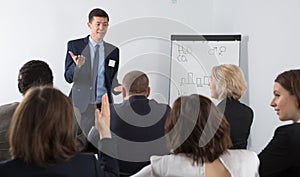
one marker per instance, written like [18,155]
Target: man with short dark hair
[92,64]
[32,74]
[137,124]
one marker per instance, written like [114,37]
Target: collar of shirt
[93,43]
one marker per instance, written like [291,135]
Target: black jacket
[280,158]
[240,118]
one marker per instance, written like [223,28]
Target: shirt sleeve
[69,65]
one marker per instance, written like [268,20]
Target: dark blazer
[81,165]
[6,113]
[138,120]
[138,127]
[81,77]
[280,158]
[240,118]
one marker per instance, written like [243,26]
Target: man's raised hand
[79,60]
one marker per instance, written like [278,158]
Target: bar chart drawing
[198,81]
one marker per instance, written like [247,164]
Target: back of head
[34,73]
[136,83]
[41,130]
[97,12]
[229,80]
[197,128]
[290,80]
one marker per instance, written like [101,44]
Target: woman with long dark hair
[42,139]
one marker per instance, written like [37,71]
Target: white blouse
[239,163]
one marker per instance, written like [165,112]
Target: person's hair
[290,80]
[197,128]
[229,81]
[97,12]
[136,82]
[34,73]
[42,128]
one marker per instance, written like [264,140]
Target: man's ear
[89,24]
[148,91]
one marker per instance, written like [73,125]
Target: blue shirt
[100,81]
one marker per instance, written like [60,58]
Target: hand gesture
[102,118]
[79,60]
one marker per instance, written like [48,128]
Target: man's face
[98,28]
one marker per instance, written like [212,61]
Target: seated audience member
[198,137]
[280,158]
[32,73]
[138,124]
[228,85]
[42,142]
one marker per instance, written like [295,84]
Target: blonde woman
[228,85]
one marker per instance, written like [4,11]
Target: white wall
[141,29]
[273,30]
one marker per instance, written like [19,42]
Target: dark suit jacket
[81,165]
[138,120]
[81,77]
[6,113]
[280,158]
[240,118]
[138,127]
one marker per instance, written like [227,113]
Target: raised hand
[102,118]
[78,59]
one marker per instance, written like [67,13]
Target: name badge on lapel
[111,63]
